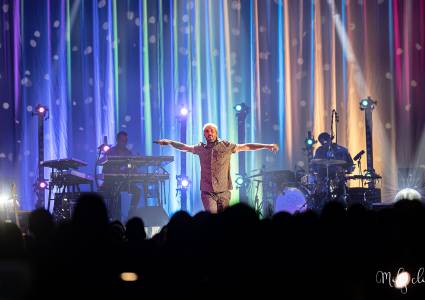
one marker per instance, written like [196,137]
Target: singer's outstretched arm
[175,144]
[255,146]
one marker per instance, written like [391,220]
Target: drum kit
[286,190]
[327,175]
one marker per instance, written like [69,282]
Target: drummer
[332,151]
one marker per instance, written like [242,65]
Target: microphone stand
[336,126]
[334,114]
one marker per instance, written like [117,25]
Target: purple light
[184,111]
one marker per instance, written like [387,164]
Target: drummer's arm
[255,146]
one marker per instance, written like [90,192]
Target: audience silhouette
[337,252]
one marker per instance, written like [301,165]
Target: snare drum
[291,200]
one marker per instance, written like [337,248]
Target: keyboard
[139,161]
[69,177]
[64,163]
[139,177]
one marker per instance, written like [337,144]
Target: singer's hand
[273,148]
[163,142]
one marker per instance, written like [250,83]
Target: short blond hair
[210,125]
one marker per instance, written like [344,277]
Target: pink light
[105,148]
[42,185]
[41,109]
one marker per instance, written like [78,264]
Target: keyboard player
[112,188]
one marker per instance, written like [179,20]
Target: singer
[214,156]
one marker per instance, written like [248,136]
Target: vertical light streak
[146,85]
[344,71]
[211,80]
[50,149]
[198,68]
[312,69]
[115,49]
[228,72]
[252,81]
[68,101]
[222,120]
[160,66]
[333,70]
[407,29]
[16,58]
[257,84]
[63,108]
[97,96]
[230,121]
[289,129]
[281,83]
[319,104]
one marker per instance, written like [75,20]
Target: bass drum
[291,200]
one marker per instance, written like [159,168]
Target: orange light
[129,276]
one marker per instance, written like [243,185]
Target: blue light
[240,181]
[365,103]
[183,182]
[241,109]
[309,142]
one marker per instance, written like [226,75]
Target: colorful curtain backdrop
[108,65]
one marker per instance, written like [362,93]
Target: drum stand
[258,206]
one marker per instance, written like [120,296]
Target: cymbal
[363,177]
[329,162]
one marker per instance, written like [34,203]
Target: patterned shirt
[215,165]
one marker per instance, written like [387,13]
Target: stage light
[41,109]
[183,182]
[129,276]
[402,280]
[105,148]
[183,111]
[4,199]
[367,103]
[407,194]
[42,184]
[240,180]
[241,108]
